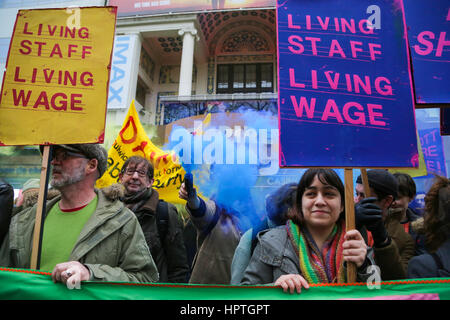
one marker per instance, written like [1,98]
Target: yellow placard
[133,141]
[55,87]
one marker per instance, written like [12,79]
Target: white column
[124,74]
[187,61]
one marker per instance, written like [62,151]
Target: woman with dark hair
[437,233]
[313,246]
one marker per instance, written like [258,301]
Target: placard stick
[41,206]
[365,181]
[349,218]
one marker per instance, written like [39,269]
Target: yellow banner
[133,141]
[55,87]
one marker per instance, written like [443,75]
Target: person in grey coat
[313,246]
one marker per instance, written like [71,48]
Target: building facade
[176,59]
[198,56]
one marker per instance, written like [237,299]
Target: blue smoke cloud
[239,187]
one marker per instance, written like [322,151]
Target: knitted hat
[91,151]
[31,184]
[382,181]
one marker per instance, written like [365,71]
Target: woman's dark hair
[327,177]
[406,185]
[136,160]
[279,202]
[437,213]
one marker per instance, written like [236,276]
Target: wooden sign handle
[349,218]
[42,197]
[365,181]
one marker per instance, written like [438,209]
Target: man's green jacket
[111,244]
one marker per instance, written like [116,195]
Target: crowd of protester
[125,232]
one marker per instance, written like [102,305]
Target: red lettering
[441,44]
[140,147]
[292,80]
[86,79]
[50,30]
[372,50]
[361,119]
[308,22]
[292,40]
[335,47]
[74,100]
[364,23]
[48,77]
[372,114]
[16,76]
[353,45]
[23,44]
[70,50]
[21,99]
[331,110]
[62,102]
[333,82]
[290,24]
[56,50]
[25,29]
[428,44]
[323,25]
[85,51]
[313,44]
[121,133]
[40,44]
[303,105]
[42,100]
[351,26]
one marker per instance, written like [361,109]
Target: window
[141,91]
[235,78]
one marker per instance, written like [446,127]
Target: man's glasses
[61,155]
[130,172]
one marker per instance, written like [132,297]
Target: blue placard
[345,96]
[429,38]
[433,152]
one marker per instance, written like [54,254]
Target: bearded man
[88,234]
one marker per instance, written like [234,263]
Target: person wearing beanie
[88,234]
[393,247]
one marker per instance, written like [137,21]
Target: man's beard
[66,179]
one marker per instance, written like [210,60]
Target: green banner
[21,284]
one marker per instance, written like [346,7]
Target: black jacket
[169,253]
[425,266]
